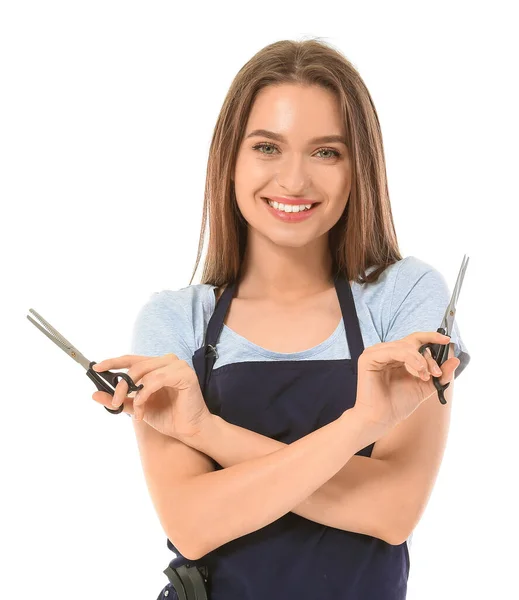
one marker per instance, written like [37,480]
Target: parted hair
[364,236]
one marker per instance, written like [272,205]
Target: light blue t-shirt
[409,296]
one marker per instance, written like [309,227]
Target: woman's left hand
[171,400]
[394,378]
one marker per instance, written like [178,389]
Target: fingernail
[114,402]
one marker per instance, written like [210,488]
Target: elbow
[192,555]
[405,520]
[398,530]
[398,535]
[183,544]
[186,537]
[182,526]
[183,541]
[396,540]
[195,547]
[193,544]
[193,552]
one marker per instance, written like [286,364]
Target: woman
[267,424]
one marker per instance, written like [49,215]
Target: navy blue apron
[292,557]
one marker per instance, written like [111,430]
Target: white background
[107,110]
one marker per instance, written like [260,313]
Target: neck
[285,274]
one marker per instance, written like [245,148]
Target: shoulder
[416,299]
[399,278]
[173,319]
[414,278]
[402,271]
[179,303]
[409,283]
[377,294]
[411,268]
[408,293]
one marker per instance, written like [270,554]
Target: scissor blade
[450,313]
[54,335]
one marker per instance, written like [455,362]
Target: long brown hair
[364,236]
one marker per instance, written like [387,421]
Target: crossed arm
[384,495]
[318,477]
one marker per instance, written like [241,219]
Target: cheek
[250,206]
[249,168]
[332,213]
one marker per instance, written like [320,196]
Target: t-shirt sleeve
[418,302]
[162,326]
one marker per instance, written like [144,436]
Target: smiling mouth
[313,205]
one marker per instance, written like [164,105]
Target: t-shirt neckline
[279,355]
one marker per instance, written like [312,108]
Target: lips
[305,211]
[292,202]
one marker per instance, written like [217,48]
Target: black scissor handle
[440,353]
[113,379]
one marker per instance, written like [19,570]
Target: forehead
[296,111]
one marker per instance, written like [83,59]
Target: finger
[149,364]
[448,368]
[416,364]
[432,365]
[154,382]
[139,367]
[423,337]
[119,362]
[382,355]
[105,399]
[102,398]
[121,389]
[415,372]
[417,361]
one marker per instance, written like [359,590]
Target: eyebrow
[325,139]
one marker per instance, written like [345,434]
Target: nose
[292,175]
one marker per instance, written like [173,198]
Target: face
[295,166]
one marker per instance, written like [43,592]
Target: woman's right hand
[171,400]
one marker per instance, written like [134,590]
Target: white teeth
[289,207]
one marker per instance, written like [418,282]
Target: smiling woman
[300,118]
[302,341]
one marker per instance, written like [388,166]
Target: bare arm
[363,496]
[227,504]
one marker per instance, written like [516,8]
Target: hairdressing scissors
[440,352]
[105,381]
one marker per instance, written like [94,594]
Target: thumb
[452,364]
[448,368]
[103,398]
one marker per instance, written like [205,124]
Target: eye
[335,153]
[262,145]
